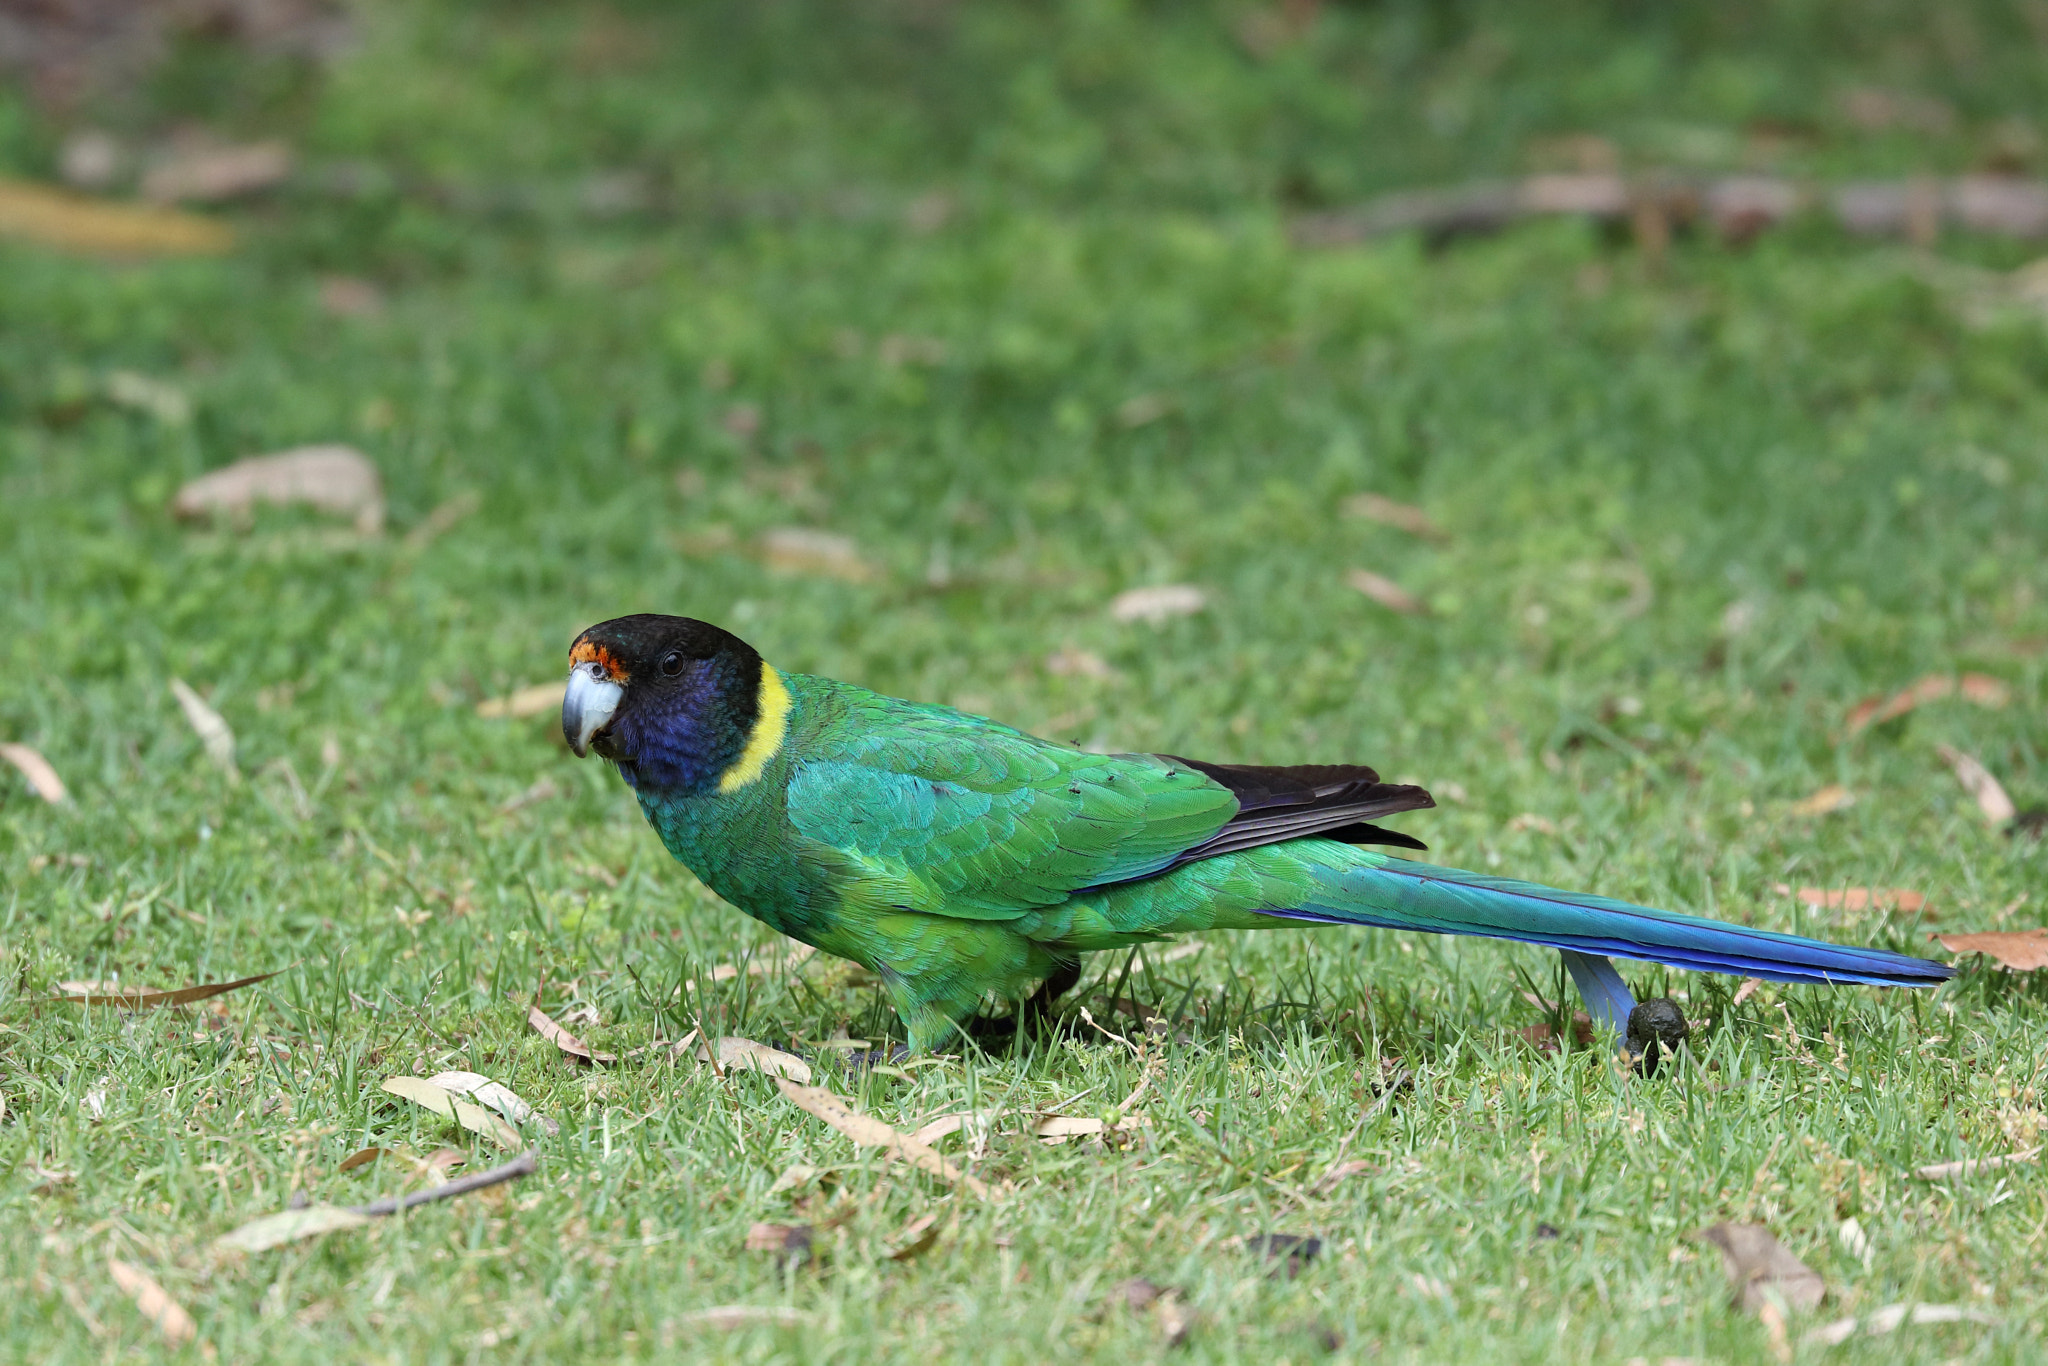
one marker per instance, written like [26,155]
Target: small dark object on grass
[1546,1233]
[1655,1027]
[789,1242]
[2031,823]
[1298,1251]
[1137,1292]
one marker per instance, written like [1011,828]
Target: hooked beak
[587,705]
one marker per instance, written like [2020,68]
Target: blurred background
[1583,408]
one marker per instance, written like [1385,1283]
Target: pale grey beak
[587,705]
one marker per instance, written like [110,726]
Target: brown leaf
[1981,689]
[917,1237]
[1386,593]
[563,1039]
[361,1157]
[870,1132]
[787,1240]
[1881,1321]
[337,479]
[1833,797]
[530,701]
[1387,512]
[206,723]
[803,550]
[288,1226]
[1056,1129]
[101,227]
[1970,1166]
[1758,1266]
[2019,950]
[498,1097]
[1158,604]
[1170,1313]
[474,1118]
[747,1055]
[1747,989]
[147,998]
[212,174]
[1068,661]
[170,1318]
[37,770]
[1856,898]
[347,296]
[1978,782]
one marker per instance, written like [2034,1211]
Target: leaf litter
[213,731]
[147,998]
[329,478]
[1760,1268]
[1891,1317]
[2015,950]
[869,1132]
[274,1230]
[154,1302]
[1981,689]
[1387,593]
[561,1038]
[1970,1166]
[37,770]
[438,1099]
[497,1096]
[1977,780]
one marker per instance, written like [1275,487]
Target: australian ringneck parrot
[959,859]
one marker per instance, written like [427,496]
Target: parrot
[961,860]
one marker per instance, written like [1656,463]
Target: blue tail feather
[1399,894]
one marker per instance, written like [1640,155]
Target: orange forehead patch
[587,652]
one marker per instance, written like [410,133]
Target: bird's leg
[1032,1013]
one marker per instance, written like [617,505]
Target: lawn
[622,299]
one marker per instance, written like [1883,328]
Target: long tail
[1399,894]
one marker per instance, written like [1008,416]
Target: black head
[672,701]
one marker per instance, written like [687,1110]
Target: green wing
[930,809]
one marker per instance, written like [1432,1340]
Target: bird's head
[679,705]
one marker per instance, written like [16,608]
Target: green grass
[1813,432]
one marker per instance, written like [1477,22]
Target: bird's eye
[672,663]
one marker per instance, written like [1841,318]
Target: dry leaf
[917,1237]
[211,174]
[1386,593]
[337,479]
[37,770]
[1889,1318]
[530,701]
[145,998]
[802,1174]
[2019,950]
[474,1118]
[286,1226]
[1970,1166]
[484,1091]
[361,1157]
[1978,782]
[732,1317]
[1747,989]
[1981,689]
[1157,605]
[787,1240]
[745,1054]
[1056,1129]
[563,1039]
[870,1132]
[207,724]
[159,1308]
[1758,1265]
[1833,797]
[1070,662]
[346,296]
[803,550]
[100,227]
[1387,512]
[1856,898]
